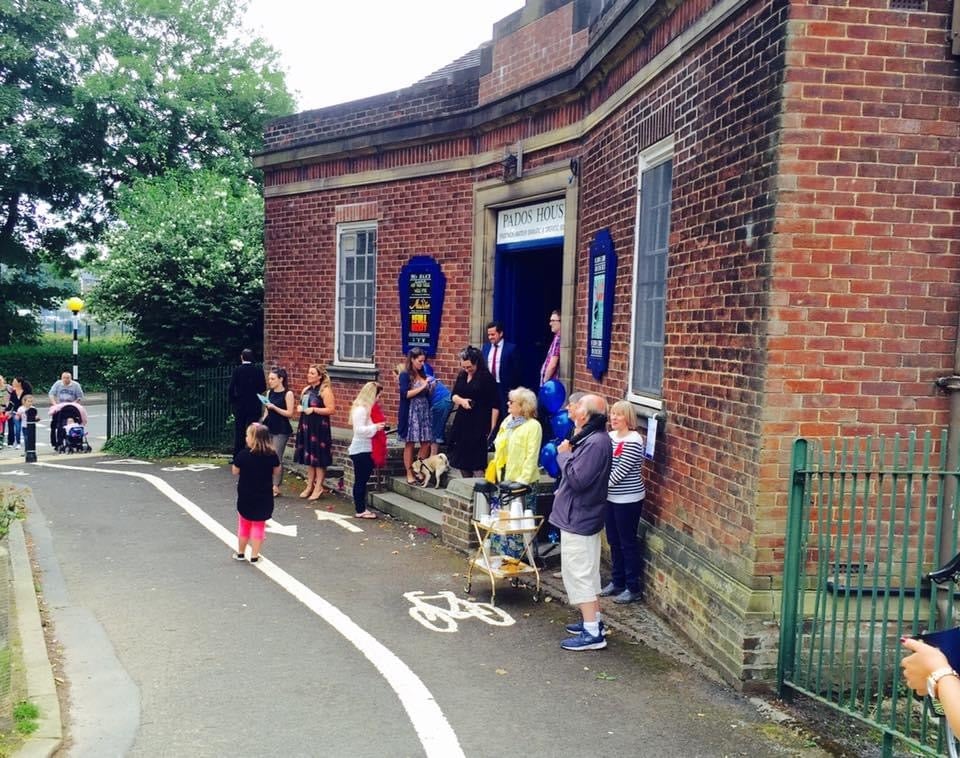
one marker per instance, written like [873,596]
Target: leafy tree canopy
[185,269]
[95,94]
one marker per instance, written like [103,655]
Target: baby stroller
[71,434]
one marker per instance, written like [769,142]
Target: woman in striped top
[625,493]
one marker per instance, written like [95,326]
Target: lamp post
[75,305]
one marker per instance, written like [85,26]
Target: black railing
[202,395]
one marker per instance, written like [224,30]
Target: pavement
[715,707]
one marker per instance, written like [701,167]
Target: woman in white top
[362,444]
[625,494]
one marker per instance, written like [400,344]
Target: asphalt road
[172,648]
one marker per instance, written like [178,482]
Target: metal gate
[862,530]
[202,395]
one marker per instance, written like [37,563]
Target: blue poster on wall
[422,286]
[603,278]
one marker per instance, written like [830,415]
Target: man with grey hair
[578,512]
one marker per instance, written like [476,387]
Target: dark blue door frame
[527,286]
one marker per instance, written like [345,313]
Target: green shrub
[42,364]
[158,438]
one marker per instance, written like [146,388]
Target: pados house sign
[422,286]
[531,224]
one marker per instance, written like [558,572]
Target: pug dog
[435,466]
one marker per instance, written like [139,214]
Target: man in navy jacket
[501,359]
[579,506]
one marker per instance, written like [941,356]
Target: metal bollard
[30,436]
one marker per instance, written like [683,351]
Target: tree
[175,84]
[95,94]
[185,270]
[44,154]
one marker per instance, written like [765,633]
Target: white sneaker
[17,446]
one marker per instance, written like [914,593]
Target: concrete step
[429,496]
[409,510]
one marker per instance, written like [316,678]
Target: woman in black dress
[313,434]
[475,398]
[278,410]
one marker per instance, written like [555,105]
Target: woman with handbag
[361,446]
[313,446]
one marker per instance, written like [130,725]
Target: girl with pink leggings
[256,466]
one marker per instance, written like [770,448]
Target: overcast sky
[336,51]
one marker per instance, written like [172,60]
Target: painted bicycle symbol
[443,616]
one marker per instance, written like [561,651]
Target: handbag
[492,475]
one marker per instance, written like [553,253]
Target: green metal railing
[202,395]
[863,522]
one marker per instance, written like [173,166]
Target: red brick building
[780,181]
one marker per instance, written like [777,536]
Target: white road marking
[435,733]
[18,472]
[127,462]
[338,518]
[191,467]
[275,528]
[443,618]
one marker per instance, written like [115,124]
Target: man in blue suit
[501,359]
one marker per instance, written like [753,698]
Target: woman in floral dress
[313,445]
[415,387]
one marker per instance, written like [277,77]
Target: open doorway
[527,286]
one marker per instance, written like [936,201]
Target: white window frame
[342,229]
[651,157]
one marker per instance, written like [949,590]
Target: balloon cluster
[551,396]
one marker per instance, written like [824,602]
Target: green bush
[42,364]
[161,437]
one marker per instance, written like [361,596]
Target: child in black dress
[256,466]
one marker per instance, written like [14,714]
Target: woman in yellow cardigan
[516,454]
[517,446]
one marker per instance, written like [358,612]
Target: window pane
[653,211]
[357,288]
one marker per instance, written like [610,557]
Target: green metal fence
[202,394]
[863,522]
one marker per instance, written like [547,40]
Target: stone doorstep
[408,510]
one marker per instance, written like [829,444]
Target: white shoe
[17,446]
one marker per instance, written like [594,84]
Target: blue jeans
[362,468]
[439,413]
[623,519]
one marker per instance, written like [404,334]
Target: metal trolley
[496,565]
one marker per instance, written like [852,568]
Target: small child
[256,467]
[26,403]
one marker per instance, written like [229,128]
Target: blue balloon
[548,459]
[552,394]
[561,424]
[427,369]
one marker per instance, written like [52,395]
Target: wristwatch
[935,678]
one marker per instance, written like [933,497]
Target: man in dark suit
[501,359]
[247,381]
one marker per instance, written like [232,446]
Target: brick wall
[429,216]
[410,105]
[543,47]
[863,313]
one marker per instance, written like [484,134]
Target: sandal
[365,514]
[276,492]
[318,493]
[307,491]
